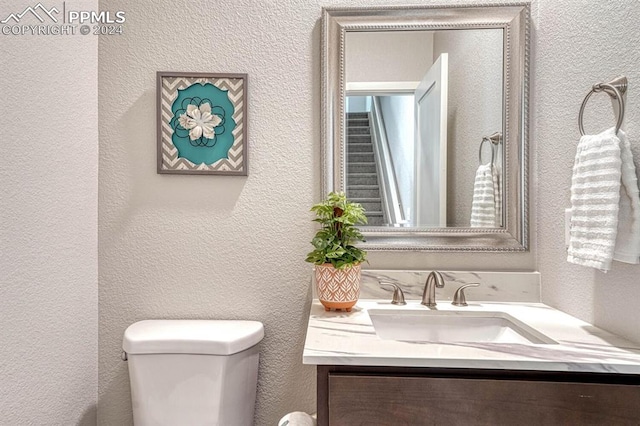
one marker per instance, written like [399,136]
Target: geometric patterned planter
[337,288]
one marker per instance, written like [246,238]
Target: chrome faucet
[429,295]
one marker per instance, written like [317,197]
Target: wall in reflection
[388,56]
[475,73]
[398,113]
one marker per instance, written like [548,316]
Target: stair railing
[391,205]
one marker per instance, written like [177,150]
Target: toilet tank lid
[211,337]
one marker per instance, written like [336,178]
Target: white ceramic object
[193,372]
[298,418]
[453,326]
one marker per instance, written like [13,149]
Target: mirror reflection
[424,115]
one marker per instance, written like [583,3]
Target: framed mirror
[424,122]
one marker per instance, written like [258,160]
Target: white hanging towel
[605,206]
[486,208]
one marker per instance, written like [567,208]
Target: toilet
[193,372]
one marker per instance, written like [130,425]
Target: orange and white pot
[337,288]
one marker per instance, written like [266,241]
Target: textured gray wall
[49,225]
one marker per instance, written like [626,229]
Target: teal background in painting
[203,154]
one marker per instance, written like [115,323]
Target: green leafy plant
[335,241]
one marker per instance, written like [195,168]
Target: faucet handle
[459,298]
[398,295]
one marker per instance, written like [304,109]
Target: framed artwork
[202,123]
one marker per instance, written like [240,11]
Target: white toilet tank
[193,372]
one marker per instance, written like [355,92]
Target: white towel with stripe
[605,205]
[486,208]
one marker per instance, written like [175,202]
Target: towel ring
[494,139]
[493,152]
[615,89]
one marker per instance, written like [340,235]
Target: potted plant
[337,260]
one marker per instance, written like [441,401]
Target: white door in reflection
[430,198]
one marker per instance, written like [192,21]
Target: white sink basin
[453,326]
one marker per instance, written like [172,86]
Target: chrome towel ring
[615,88]
[495,140]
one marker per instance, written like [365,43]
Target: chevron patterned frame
[169,159]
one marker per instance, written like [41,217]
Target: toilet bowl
[193,372]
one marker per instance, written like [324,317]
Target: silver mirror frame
[514,20]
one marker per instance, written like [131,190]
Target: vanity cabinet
[380,396]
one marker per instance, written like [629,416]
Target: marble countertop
[348,338]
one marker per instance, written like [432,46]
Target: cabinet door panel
[379,400]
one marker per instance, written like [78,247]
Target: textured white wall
[219,247]
[579,43]
[48,236]
[212,246]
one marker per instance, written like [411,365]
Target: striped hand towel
[486,208]
[597,194]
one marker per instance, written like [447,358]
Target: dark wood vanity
[380,396]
